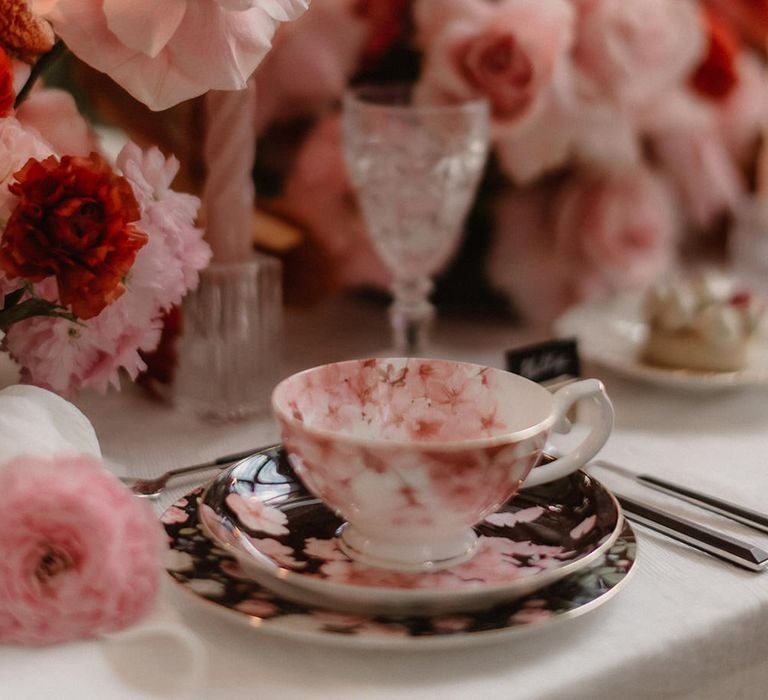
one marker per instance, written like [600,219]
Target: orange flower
[7,95]
[23,34]
[716,76]
[73,221]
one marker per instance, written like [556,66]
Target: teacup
[413,452]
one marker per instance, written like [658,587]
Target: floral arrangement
[625,134]
[93,254]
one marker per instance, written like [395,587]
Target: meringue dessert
[699,323]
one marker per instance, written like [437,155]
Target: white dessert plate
[210,576]
[286,539]
[611,334]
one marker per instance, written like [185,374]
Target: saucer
[287,540]
[611,334]
[211,576]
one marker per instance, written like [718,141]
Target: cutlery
[153,486]
[745,516]
[720,545]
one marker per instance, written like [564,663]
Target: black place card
[544,362]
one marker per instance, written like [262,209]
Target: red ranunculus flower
[716,76]
[74,220]
[7,95]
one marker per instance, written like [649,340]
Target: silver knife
[718,544]
[717,505]
[745,516]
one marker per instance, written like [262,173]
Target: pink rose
[167,52]
[507,51]
[596,233]
[575,123]
[637,49]
[79,554]
[618,228]
[54,115]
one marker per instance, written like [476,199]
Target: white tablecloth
[686,625]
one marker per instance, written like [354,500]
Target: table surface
[686,625]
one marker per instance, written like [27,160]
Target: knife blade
[717,544]
[742,515]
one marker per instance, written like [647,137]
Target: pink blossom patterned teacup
[413,452]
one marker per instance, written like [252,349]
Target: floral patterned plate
[205,571]
[285,539]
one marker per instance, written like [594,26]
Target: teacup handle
[602,424]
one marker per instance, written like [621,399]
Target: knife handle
[718,544]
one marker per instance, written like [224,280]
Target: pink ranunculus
[597,233]
[636,50]
[311,62]
[688,143]
[53,114]
[167,52]
[506,51]
[319,195]
[79,554]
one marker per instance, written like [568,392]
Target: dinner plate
[214,578]
[611,334]
[286,539]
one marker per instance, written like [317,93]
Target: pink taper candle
[229,196]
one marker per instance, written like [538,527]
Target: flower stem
[47,60]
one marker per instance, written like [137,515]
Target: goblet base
[410,555]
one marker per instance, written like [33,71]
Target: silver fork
[154,486]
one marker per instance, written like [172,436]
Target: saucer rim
[391,597]
[426,643]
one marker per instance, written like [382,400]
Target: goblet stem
[411,315]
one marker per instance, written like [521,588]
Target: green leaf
[13,298]
[30,308]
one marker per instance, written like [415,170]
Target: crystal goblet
[415,167]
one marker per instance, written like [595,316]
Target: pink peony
[319,195]
[636,50]
[507,51]
[66,357]
[596,233]
[79,554]
[53,114]
[311,62]
[167,52]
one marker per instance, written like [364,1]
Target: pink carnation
[79,554]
